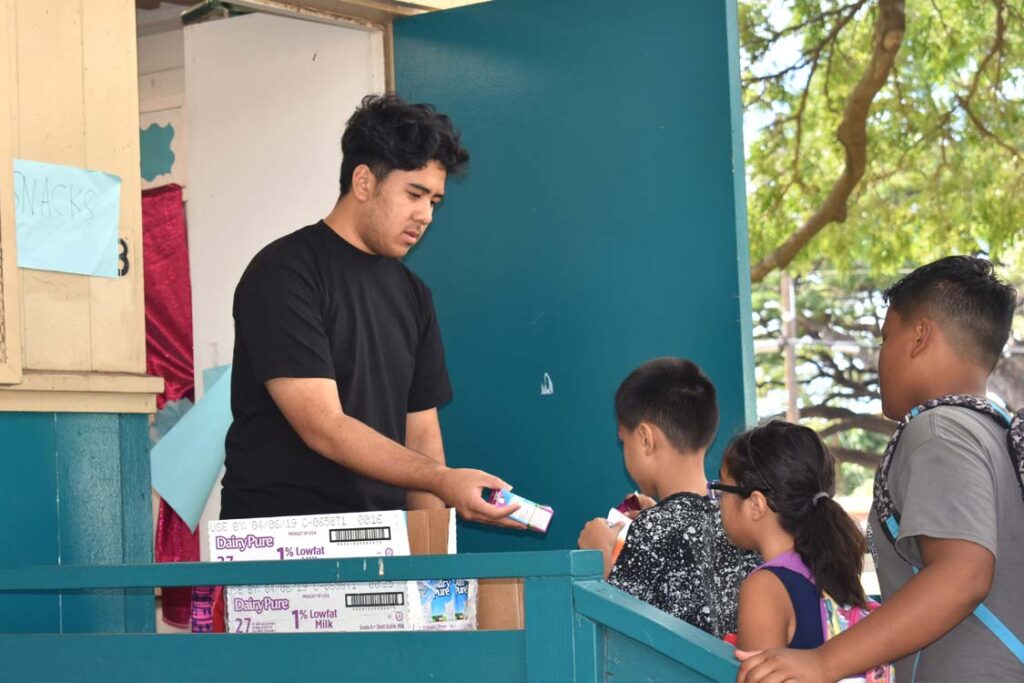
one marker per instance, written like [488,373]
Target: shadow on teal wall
[601,224]
[76,491]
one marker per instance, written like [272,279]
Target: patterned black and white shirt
[678,558]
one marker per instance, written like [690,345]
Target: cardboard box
[369,534]
[499,605]
[367,606]
[305,608]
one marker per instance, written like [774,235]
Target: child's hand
[597,535]
[805,666]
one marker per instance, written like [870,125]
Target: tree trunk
[852,134]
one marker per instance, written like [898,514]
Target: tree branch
[998,45]
[871,423]
[800,122]
[852,134]
[965,105]
[814,54]
[865,458]
[964,102]
[997,48]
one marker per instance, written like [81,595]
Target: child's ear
[646,434]
[758,505]
[924,330]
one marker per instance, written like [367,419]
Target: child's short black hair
[386,134]
[975,307]
[673,394]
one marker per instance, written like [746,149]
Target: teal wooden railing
[577,629]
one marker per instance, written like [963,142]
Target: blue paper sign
[66,218]
[186,461]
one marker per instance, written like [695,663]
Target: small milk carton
[447,605]
[535,516]
[616,517]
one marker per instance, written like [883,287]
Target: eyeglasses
[717,488]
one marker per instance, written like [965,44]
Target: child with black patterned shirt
[676,555]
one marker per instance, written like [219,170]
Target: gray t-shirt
[951,477]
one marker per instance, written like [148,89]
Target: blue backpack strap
[992,623]
[983,613]
[889,517]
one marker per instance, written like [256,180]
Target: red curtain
[168,292]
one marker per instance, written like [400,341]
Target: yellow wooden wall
[69,95]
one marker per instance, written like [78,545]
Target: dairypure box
[359,534]
[305,608]
[363,606]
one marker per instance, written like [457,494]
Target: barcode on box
[368,533]
[374,599]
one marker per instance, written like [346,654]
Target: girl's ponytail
[832,545]
[791,466]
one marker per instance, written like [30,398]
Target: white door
[266,101]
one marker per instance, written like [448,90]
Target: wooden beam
[10,280]
[82,392]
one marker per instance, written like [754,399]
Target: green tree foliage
[888,134]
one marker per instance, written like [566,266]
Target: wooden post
[789,347]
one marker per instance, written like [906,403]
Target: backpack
[836,618]
[889,516]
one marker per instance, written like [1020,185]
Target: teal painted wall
[602,224]
[76,491]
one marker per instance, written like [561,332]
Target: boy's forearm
[423,435]
[312,409]
[359,447]
[918,614]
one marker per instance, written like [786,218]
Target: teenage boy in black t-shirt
[338,362]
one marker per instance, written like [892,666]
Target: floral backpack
[835,617]
[889,516]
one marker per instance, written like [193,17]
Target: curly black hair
[964,293]
[386,134]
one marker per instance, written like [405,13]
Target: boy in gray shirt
[954,490]
[951,479]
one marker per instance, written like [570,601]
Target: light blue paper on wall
[66,218]
[186,461]
[212,375]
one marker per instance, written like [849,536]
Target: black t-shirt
[312,305]
[678,558]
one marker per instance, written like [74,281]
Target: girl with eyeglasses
[775,496]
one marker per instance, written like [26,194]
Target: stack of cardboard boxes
[450,603]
